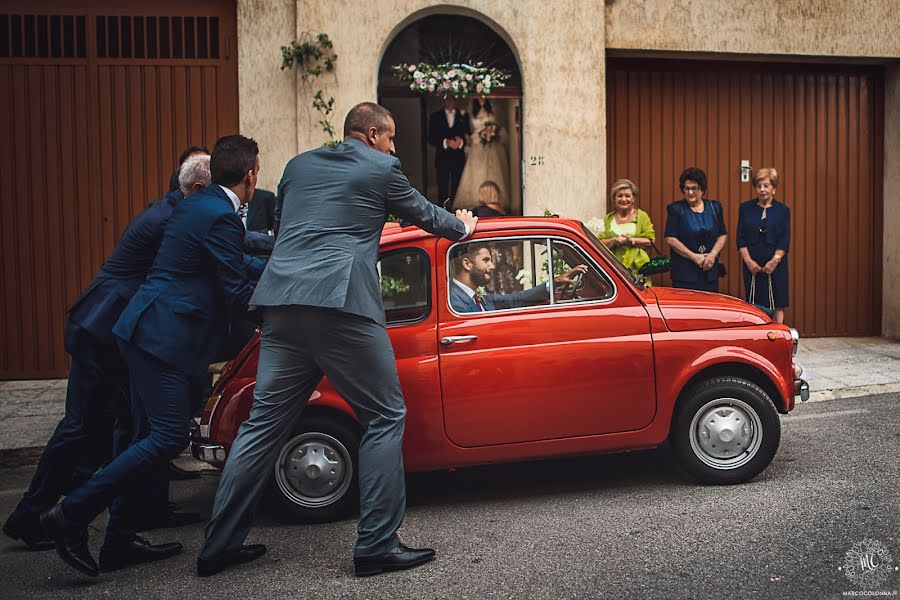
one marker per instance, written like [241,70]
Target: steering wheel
[569,291]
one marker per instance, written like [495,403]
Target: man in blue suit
[97,392]
[472,268]
[167,335]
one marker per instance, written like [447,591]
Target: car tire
[726,431]
[315,476]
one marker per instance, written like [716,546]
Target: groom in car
[472,267]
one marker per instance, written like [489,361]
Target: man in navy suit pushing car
[167,335]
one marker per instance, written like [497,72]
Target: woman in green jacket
[627,230]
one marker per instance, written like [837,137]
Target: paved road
[623,526]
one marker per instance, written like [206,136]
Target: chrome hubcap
[314,470]
[725,433]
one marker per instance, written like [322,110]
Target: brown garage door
[96,103]
[820,126]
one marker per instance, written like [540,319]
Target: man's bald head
[366,115]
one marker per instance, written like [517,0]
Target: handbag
[658,264]
[770,309]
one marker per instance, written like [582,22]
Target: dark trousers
[449,171]
[297,346]
[96,425]
[160,399]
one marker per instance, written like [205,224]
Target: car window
[492,275]
[590,285]
[405,285]
[601,247]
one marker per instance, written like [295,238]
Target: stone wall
[268,101]
[852,28]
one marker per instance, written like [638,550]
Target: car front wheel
[315,476]
[725,431]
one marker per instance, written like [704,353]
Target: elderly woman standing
[627,230]
[695,229]
[763,237]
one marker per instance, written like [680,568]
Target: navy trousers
[96,425]
[160,401]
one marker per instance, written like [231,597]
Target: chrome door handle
[457,339]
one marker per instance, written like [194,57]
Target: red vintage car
[602,363]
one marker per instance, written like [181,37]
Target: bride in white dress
[485,158]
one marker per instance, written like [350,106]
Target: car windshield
[626,272]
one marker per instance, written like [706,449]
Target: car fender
[732,355]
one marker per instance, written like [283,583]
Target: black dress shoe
[211,566]
[27,528]
[176,473]
[115,555]
[70,539]
[171,519]
[401,558]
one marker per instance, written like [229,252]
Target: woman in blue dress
[763,237]
[695,230]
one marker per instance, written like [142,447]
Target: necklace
[697,209]
[621,220]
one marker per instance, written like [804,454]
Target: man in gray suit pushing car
[323,315]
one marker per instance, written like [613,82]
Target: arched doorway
[454,39]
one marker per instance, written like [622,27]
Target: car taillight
[206,417]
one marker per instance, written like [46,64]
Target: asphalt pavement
[617,526]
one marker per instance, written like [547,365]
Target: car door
[573,362]
[407,284]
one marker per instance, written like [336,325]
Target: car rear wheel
[725,431]
[315,476]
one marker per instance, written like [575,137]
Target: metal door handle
[457,339]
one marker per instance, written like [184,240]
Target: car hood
[688,310]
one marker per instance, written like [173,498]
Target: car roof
[394,233]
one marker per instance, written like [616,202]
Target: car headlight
[795,340]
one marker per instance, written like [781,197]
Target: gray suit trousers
[298,345]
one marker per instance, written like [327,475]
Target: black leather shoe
[115,555]
[217,564]
[176,473]
[27,528]
[171,519]
[70,539]
[401,558]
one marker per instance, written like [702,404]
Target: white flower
[595,226]
[418,74]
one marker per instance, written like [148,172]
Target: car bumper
[213,454]
[801,388]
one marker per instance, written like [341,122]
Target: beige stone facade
[561,47]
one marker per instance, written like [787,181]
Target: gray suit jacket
[335,205]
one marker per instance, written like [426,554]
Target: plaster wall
[849,28]
[560,50]
[890,325]
[267,98]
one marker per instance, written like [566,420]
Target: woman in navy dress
[695,230]
[763,237]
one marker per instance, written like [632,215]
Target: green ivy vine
[314,55]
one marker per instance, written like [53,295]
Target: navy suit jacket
[677,226]
[199,280]
[439,130]
[100,304]
[261,211]
[778,225]
[462,303]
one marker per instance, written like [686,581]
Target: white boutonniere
[479,293]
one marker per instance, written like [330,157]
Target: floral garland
[451,79]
